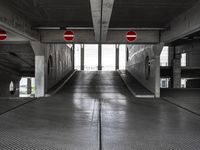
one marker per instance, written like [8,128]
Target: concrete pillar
[117,57]
[29,88]
[171,55]
[40,69]
[127,54]
[100,57]
[82,56]
[73,57]
[40,79]
[176,80]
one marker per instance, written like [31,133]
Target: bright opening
[164,56]
[27,87]
[108,57]
[77,56]
[164,82]
[91,57]
[122,57]
[183,59]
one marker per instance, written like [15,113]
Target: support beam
[117,57]
[101,14]
[82,56]
[106,15]
[87,37]
[15,24]
[100,57]
[96,17]
[183,25]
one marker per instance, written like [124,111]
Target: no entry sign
[3,35]
[131,36]
[69,35]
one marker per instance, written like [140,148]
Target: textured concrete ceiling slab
[18,57]
[62,13]
[147,13]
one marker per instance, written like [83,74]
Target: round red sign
[131,36]
[3,35]
[69,35]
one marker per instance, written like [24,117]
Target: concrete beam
[106,15]
[87,37]
[96,17]
[183,25]
[15,24]
[101,14]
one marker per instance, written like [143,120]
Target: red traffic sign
[3,35]
[69,35]
[131,36]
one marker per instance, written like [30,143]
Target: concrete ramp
[137,89]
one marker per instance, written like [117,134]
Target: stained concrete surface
[70,119]
[186,98]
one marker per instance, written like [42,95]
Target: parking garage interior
[72,77]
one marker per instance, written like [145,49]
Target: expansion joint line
[100,128]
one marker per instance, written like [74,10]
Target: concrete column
[127,54]
[40,69]
[29,88]
[171,55]
[40,84]
[82,56]
[176,80]
[100,57]
[117,57]
[73,63]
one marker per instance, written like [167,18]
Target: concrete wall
[136,65]
[52,63]
[5,78]
[61,62]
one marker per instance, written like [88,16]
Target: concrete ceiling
[147,13]
[62,13]
[126,13]
[19,58]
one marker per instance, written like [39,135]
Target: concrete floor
[7,104]
[185,98]
[95,109]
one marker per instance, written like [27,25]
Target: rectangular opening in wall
[27,87]
[164,82]
[108,57]
[91,57]
[164,56]
[183,59]
[122,56]
[183,83]
[77,56]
